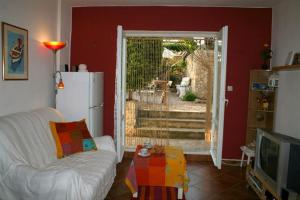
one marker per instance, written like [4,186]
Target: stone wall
[198,64]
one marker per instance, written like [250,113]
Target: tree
[144,58]
[185,47]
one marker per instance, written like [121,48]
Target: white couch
[29,168]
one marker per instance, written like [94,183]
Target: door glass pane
[215,123]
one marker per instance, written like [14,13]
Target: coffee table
[166,167]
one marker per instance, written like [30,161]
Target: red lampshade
[55,45]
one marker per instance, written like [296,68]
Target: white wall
[286,38]
[65,28]
[287,120]
[285,30]
[39,18]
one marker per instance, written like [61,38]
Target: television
[277,162]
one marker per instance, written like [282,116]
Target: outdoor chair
[151,87]
[183,87]
[148,94]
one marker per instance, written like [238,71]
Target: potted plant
[266,55]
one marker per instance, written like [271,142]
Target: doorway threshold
[203,156]
[201,152]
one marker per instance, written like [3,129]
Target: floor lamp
[55,46]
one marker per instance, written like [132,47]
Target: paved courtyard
[154,100]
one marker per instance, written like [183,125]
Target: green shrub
[189,96]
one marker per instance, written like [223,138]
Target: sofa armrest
[105,143]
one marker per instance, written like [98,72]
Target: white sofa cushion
[96,170]
[87,175]
[105,143]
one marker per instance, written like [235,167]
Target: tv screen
[293,180]
[269,155]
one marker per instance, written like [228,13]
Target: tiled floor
[206,182]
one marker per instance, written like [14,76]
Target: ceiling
[203,3]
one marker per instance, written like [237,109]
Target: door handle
[226,102]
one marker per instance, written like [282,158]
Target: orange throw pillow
[71,137]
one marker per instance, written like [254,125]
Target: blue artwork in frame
[14,52]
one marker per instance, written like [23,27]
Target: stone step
[171,114]
[171,123]
[172,133]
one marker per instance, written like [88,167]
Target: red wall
[94,43]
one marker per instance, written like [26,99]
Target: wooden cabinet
[260,104]
[260,187]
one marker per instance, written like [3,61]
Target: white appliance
[82,98]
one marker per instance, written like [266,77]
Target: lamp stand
[54,72]
[54,77]
[55,46]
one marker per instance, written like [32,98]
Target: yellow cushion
[59,151]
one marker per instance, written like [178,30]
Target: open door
[120,94]
[219,99]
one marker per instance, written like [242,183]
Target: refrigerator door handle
[97,107]
[96,120]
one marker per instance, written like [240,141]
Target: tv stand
[259,186]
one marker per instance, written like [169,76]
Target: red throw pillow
[71,137]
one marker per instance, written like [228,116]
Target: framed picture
[14,52]
[289,59]
[296,59]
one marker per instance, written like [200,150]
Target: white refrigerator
[82,98]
